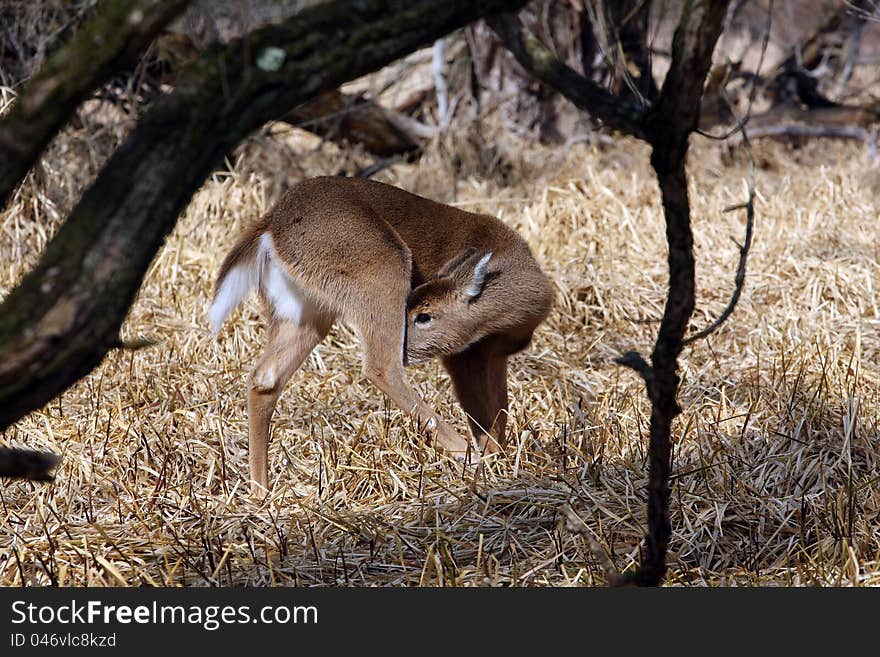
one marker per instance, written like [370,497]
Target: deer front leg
[479,377]
[393,384]
[496,384]
[383,366]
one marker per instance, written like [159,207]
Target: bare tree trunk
[65,314]
[670,123]
[666,125]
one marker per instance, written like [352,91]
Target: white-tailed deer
[414,278]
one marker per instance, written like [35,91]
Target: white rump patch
[235,287]
[287,300]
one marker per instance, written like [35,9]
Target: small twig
[575,525]
[740,278]
[634,360]
[647,320]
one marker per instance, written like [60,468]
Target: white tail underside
[287,300]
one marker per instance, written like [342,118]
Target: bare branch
[538,60]
[636,362]
[836,131]
[740,277]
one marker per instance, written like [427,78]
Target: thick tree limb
[538,60]
[60,321]
[27,464]
[105,44]
[341,118]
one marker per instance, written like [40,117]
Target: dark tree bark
[666,125]
[65,315]
[671,121]
[341,118]
[26,464]
[109,42]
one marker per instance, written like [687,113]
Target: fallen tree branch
[343,118]
[103,45]
[834,131]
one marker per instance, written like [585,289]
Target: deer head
[443,314]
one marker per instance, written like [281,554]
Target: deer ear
[454,264]
[467,271]
[475,287]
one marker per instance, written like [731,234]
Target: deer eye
[422,318]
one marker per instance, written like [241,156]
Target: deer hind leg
[383,366]
[289,345]
[479,377]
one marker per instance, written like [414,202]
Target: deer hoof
[469,458]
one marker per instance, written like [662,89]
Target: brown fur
[355,249]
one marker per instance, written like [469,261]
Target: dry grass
[777,454]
